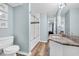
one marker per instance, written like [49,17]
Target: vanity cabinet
[70,50]
[57,49]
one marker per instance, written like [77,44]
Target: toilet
[7,47]
[11,50]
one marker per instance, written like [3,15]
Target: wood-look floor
[41,49]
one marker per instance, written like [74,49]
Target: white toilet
[11,51]
[6,44]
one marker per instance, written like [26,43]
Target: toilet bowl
[11,51]
[6,46]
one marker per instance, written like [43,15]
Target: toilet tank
[6,41]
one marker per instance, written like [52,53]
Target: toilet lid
[11,49]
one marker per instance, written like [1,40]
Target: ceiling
[69,6]
[51,8]
[15,4]
[44,8]
[47,8]
[73,5]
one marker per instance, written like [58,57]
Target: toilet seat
[11,49]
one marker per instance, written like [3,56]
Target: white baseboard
[23,53]
[34,44]
[43,41]
[29,54]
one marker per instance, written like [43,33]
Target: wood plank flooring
[41,49]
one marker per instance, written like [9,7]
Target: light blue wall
[9,30]
[21,21]
[74,21]
[67,23]
[43,27]
[18,25]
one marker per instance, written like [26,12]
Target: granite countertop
[63,40]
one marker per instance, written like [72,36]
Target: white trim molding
[43,41]
[29,54]
[26,54]
[23,53]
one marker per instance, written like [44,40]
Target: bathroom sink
[55,37]
[64,40]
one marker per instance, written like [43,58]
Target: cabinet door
[36,30]
[56,49]
[3,7]
[32,31]
[71,51]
